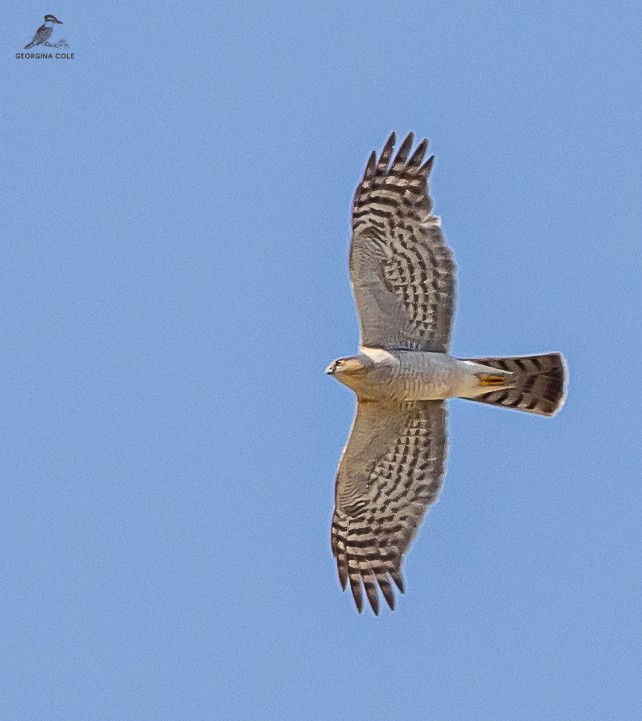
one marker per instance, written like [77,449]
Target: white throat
[378,355]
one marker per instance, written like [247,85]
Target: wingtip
[386,153]
[373,596]
[399,582]
[427,166]
[409,139]
[402,154]
[418,156]
[370,165]
[357,595]
[387,592]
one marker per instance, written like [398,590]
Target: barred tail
[539,383]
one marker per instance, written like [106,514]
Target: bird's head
[52,19]
[349,370]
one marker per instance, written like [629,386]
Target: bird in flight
[403,280]
[43,33]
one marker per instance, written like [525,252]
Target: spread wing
[401,268]
[390,472]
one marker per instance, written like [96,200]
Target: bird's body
[43,33]
[403,279]
[420,376]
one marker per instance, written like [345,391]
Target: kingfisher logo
[41,40]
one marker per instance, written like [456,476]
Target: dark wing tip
[427,166]
[387,592]
[379,166]
[418,155]
[386,153]
[390,143]
[355,587]
[371,165]
[402,155]
[371,592]
[398,579]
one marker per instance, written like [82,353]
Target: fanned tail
[539,383]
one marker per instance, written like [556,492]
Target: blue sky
[175,213]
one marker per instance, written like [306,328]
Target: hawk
[403,280]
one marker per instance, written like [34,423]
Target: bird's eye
[338,364]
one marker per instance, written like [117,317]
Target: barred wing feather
[402,271]
[389,474]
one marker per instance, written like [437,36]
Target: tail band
[539,383]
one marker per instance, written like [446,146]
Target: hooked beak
[330,369]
